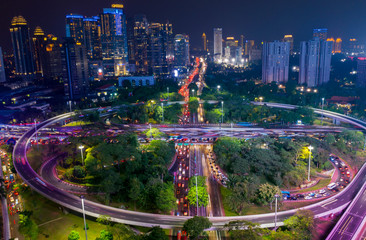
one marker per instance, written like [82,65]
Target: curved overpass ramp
[70,201]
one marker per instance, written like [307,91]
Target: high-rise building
[204,42]
[75,70]
[290,39]
[354,47]
[181,51]
[53,61]
[242,42]
[38,44]
[275,62]
[92,37]
[140,43]
[75,27]
[168,39]
[114,41]
[22,47]
[320,33]
[249,45]
[315,59]
[2,67]
[217,44]
[338,45]
[156,51]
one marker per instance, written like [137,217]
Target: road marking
[329,202]
[343,226]
[347,225]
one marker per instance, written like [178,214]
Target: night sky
[256,19]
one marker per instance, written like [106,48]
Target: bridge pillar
[336,121]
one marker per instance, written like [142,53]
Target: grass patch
[45,210]
[77,123]
[225,193]
[321,184]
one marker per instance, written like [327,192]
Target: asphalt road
[146,219]
[4,210]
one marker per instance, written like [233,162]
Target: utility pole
[150,130]
[276,198]
[162,106]
[310,148]
[196,194]
[35,126]
[322,111]
[82,205]
[222,112]
[167,89]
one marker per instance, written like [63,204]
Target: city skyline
[340,20]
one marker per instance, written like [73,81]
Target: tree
[266,193]
[195,226]
[155,233]
[166,200]
[105,235]
[27,226]
[301,223]
[154,132]
[202,196]
[74,235]
[245,230]
[193,105]
[135,190]
[330,139]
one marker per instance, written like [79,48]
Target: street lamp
[322,111]
[276,198]
[218,88]
[81,147]
[35,126]
[260,99]
[167,89]
[222,111]
[82,205]
[310,148]
[162,106]
[150,130]
[193,92]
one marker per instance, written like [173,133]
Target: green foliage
[166,201]
[74,235]
[155,233]
[195,226]
[202,196]
[105,235]
[193,104]
[302,223]
[154,132]
[245,230]
[27,226]
[266,193]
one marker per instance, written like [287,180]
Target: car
[300,196]
[293,198]
[11,199]
[308,198]
[322,191]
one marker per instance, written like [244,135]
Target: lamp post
[218,88]
[167,89]
[193,92]
[322,111]
[222,112]
[35,126]
[81,151]
[310,148]
[150,130]
[276,199]
[260,99]
[162,106]
[82,205]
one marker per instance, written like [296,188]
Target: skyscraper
[275,62]
[204,42]
[217,44]
[53,61]
[114,41]
[140,40]
[315,58]
[320,33]
[168,41]
[75,70]
[249,45]
[2,67]
[338,45]
[181,51]
[75,27]
[38,44]
[290,39]
[361,72]
[92,37]
[22,47]
[156,53]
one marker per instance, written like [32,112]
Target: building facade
[321,33]
[114,41]
[92,33]
[218,44]
[23,49]
[181,51]
[275,62]
[315,59]
[75,70]
[290,39]
[2,67]
[75,27]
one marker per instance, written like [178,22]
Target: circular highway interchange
[73,202]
